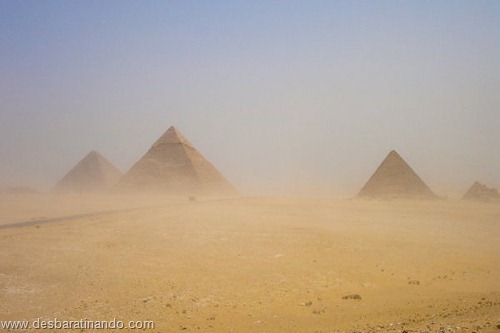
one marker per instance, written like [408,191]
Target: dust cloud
[330,166]
[201,256]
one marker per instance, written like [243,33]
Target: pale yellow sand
[256,264]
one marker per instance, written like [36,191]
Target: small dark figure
[353,296]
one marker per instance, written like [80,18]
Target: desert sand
[253,264]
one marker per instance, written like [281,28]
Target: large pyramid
[93,174]
[172,165]
[482,192]
[394,178]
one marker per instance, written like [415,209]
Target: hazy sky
[279,95]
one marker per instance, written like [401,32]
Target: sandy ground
[254,264]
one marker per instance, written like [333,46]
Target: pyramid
[394,178]
[482,192]
[174,166]
[93,174]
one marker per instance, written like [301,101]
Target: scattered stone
[353,296]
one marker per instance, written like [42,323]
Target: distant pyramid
[93,174]
[394,178]
[480,191]
[172,165]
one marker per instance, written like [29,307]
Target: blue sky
[279,95]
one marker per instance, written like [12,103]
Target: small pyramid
[394,178]
[93,174]
[481,192]
[174,166]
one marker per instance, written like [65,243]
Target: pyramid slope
[394,178]
[482,192]
[92,174]
[172,165]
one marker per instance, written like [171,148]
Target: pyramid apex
[393,153]
[172,130]
[93,153]
[172,135]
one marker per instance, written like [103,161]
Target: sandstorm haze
[207,153]
[282,97]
